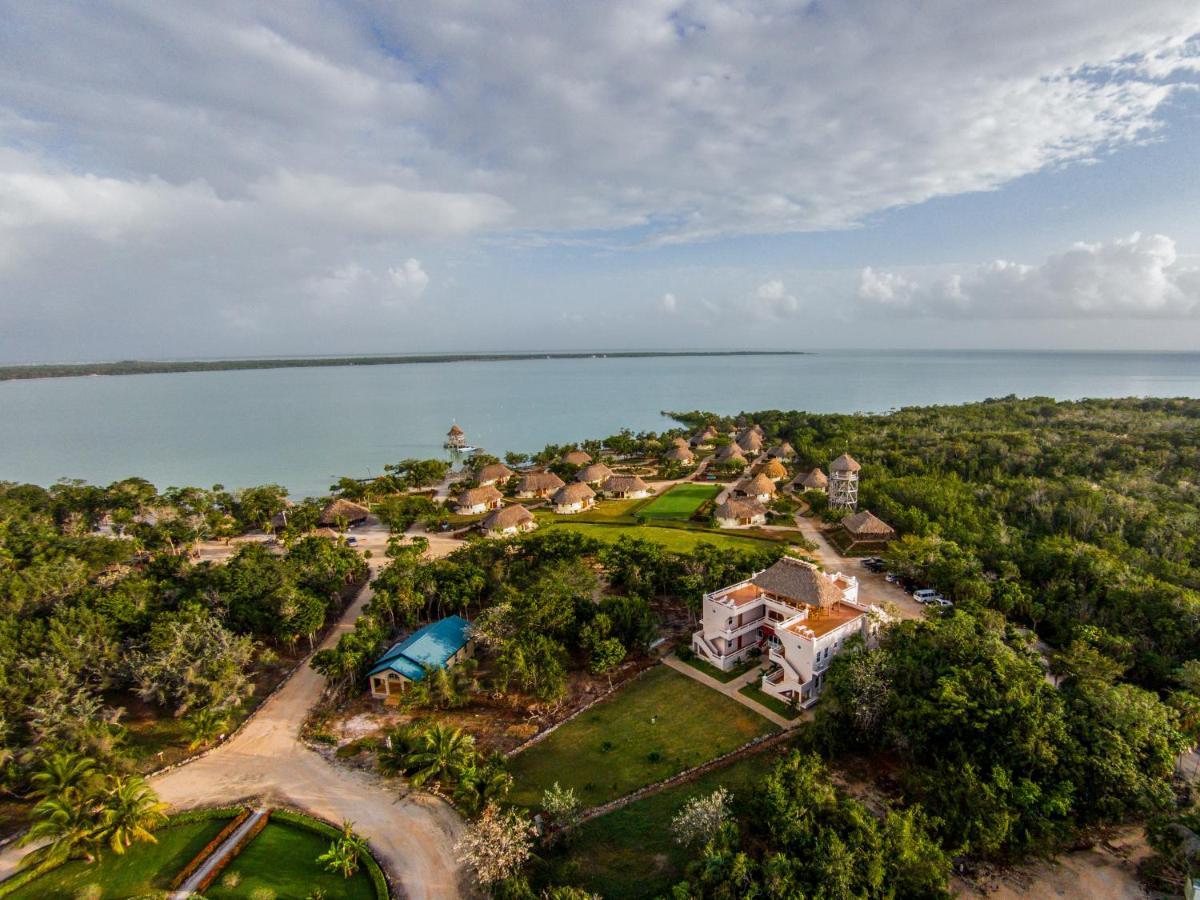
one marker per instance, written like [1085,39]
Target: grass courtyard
[680,502]
[679,540]
[281,862]
[630,853]
[143,870]
[658,725]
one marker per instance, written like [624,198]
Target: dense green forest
[1072,524]
[1051,702]
[93,622]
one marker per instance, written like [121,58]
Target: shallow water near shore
[304,427]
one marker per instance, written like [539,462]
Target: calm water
[303,427]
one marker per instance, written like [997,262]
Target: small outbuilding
[573,498]
[864,527]
[476,500]
[508,521]
[440,645]
[342,510]
[538,484]
[624,487]
[739,512]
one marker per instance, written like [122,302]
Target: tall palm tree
[129,812]
[444,751]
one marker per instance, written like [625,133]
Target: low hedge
[199,815]
[303,820]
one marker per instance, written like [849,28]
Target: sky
[247,179]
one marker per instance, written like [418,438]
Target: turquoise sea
[303,427]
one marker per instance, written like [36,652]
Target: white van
[926,595]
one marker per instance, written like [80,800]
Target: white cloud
[353,284]
[773,299]
[162,161]
[1135,277]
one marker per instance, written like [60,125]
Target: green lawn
[605,511]
[143,869]
[281,863]
[679,540]
[629,853]
[712,671]
[680,501]
[758,695]
[659,725]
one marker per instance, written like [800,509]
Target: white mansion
[797,615]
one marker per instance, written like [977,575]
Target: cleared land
[282,860]
[659,725]
[680,502]
[678,539]
[630,853]
[143,870]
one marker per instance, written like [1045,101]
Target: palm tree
[344,853]
[443,753]
[129,812]
[65,824]
[205,725]
[62,775]
[398,747]
[479,784]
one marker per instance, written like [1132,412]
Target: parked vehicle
[351,540]
[926,595]
[942,601]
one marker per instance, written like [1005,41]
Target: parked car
[891,578]
[351,540]
[926,595]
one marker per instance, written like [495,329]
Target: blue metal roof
[431,646]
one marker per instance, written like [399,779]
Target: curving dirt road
[412,835]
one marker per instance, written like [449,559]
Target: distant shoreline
[142,367]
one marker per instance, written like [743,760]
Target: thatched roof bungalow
[508,520]
[493,474]
[538,484]
[476,500]
[577,458]
[865,526]
[573,498]
[773,469]
[624,487]
[760,487]
[739,512]
[342,510]
[593,474]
